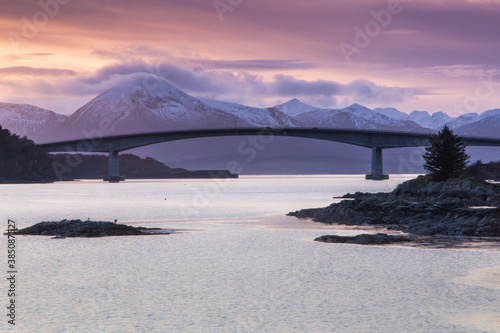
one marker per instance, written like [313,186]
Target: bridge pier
[377,168]
[114,168]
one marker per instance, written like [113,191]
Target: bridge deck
[376,140]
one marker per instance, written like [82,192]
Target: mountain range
[134,106]
[28,120]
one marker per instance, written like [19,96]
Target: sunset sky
[412,55]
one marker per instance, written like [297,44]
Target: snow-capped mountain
[422,118]
[485,124]
[392,113]
[294,107]
[256,116]
[357,117]
[28,120]
[133,107]
[435,121]
[462,120]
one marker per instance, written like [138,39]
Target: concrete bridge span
[376,140]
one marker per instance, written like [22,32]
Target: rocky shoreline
[458,208]
[79,228]
[364,239]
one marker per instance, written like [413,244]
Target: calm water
[238,266]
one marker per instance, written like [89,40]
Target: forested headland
[21,160]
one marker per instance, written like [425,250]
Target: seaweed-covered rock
[364,239]
[470,191]
[421,207]
[79,228]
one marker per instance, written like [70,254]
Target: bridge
[375,140]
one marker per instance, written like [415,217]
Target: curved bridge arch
[376,140]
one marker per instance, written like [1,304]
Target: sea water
[236,263]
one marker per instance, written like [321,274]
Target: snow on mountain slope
[28,120]
[435,121]
[355,116]
[256,116]
[134,107]
[461,120]
[419,116]
[142,103]
[392,113]
[440,117]
[374,120]
[321,118]
[495,113]
[294,107]
[486,124]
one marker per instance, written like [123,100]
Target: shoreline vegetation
[79,228]
[95,166]
[23,162]
[425,212]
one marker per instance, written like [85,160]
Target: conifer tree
[22,160]
[446,157]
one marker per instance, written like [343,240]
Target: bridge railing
[242,129]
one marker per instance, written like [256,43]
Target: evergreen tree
[22,160]
[446,157]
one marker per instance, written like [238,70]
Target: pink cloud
[259,49]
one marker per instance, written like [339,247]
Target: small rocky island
[79,228]
[456,209]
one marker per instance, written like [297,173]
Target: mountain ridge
[29,120]
[130,107]
[134,107]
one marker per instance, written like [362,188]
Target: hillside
[131,166]
[356,117]
[22,161]
[29,120]
[132,107]
[485,171]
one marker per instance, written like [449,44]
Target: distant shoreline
[199,174]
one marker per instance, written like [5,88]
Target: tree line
[22,160]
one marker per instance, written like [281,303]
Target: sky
[411,55]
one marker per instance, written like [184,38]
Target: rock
[364,239]
[421,207]
[79,228]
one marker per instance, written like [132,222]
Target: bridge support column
[377,169]
[114,168]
